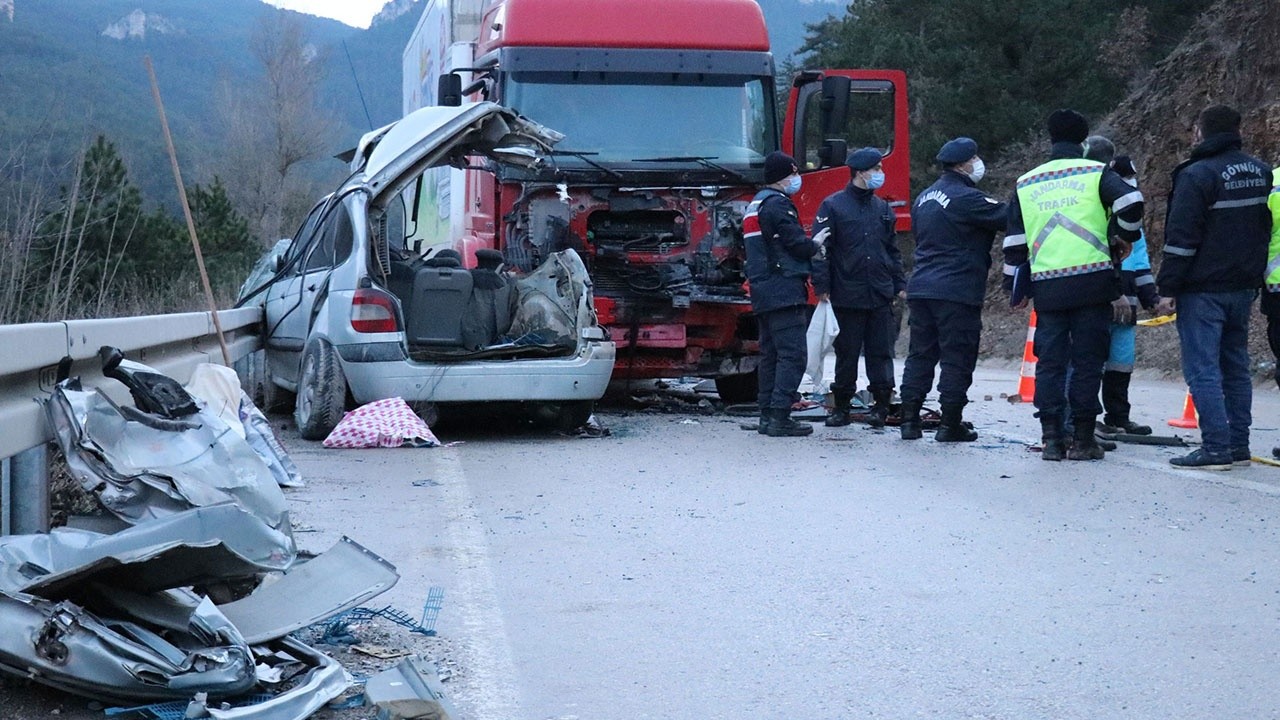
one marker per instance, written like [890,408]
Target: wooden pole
[186,210]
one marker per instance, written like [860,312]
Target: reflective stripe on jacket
[1066,223]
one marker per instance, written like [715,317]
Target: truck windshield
[623,117]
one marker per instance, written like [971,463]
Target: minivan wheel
[322,392]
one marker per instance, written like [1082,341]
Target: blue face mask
[793,185]
[876,181]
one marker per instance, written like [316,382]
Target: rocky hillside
[1229,57]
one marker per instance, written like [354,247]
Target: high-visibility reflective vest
[1065,221]
[1273,252]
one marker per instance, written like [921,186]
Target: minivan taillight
[373,311]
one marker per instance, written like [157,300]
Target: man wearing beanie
[1215,258]
[861,274]
[955,225]
[1071,222]
[777,269]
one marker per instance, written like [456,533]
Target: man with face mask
[777,269]
[955,225]
[861,274]
[1071,220]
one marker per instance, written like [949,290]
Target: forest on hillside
[89,240]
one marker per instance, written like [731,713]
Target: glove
[821,237]
[1122,312]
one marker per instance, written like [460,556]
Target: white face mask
[1133,181]
[979,170]
[793,185]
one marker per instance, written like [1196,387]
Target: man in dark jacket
[955,225]
[1215,256]
[1071,221]
[861,274]
[777,269]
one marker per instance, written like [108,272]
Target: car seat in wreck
[441,294]
[492,304]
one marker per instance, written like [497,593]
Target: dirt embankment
[1228,57]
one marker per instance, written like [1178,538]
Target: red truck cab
[668,108]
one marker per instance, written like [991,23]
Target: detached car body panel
[356,313]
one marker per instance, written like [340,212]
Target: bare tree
[274,128]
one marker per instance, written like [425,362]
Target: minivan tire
[322,392]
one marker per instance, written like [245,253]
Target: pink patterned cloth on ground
[383,423]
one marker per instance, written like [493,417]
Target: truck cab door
[831,113]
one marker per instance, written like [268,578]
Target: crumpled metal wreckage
[133,617]
[120,618]
[169,454]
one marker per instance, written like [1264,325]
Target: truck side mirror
[835,104]
[833,153]
[449,89]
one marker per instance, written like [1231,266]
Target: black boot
[879,411]
[1053,446]
[911,428]
[781,425]
[1115,399]
[839,415]
[761,426]
[1084,446]
[953,428]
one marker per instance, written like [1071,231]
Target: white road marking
[490,670]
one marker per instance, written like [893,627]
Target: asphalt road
[683,568]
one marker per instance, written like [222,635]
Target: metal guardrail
[29,358]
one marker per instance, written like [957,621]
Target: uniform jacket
[955,224]
[863,265]
[1125,205]
[1218,226]
[778,253]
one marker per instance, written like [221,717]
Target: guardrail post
[29,491]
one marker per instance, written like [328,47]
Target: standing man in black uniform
[955,225]
[1071,222]
[778,267]
[861,274]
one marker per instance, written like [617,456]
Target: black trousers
[1273,339]
[783,352]
[943,333]
[869,331]
[1079,339]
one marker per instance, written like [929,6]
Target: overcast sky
[352,12]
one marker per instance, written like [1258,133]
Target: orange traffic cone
[1027,375]
[1189,419]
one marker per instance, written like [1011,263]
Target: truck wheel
[322,392]
[738,389]
[275,399]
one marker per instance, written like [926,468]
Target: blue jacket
[863,265]
[955,225]
[1137,284]
[778,252]
[1218,226]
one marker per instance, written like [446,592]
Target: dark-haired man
[1215,257]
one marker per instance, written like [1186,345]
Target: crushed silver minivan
[355,312]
